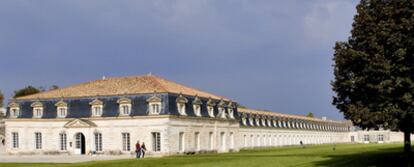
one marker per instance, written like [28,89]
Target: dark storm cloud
[273,55]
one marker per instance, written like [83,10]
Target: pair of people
[140,150]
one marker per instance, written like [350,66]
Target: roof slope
[121,86]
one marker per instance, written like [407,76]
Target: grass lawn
[346,155]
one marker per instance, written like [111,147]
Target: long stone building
[110,115]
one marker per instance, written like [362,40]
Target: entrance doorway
[79,144]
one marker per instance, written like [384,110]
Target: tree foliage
[374,69]
[29,90]
[310,115]
[1,99]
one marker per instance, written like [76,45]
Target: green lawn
[346,155]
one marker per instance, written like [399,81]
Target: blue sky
[274,55]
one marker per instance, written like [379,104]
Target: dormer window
[154,105]
[263,121]
[37,109]
[221,110]
[96,108]
[251,121]
[244,120]
[197,106]
[14,110]
[181,101]
[210,108]
[230,110]
[257,122]
[62,109]
[124,106]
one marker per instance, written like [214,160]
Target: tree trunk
[407,142]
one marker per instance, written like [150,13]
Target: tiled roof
[291,116]
[111,86]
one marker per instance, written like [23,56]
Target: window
[181,142]
[14,112]
[97,110]
[155,108]
[181,108]
[156,141]
[231,140]
[125,109]
[223,141]
[197,110]
[126,142]
[62,139]
[61,108]
[197,140]
[14,109]
[38,140]
[366,138]
[231,113]
[210,110]
[221,112]
[37,109]
[96,107]
[124,106]
[62,111]
[15,139]
[98,141]
[211,140]
[380,137]
[245,140]
[37,112]
[154,105]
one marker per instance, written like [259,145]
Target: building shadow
[390,157]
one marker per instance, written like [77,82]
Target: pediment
[154,98]
[197,101]
[96,102]
[210,102]
[79,123]
[36,104]
[181,99]
[124,100]
[221,103]
[13,105]
[61,103]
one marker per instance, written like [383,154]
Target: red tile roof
[130,85]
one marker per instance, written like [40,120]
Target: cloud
[274,55]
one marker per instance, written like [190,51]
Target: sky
[273,55]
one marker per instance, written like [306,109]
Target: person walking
[143,149]
[138,149]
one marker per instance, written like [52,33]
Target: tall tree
[374,69]
[29,90]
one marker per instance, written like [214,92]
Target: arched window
[154,105]
[37,109]
[125,106]
[181,102]
[96,107]
[14,110]
[61,109]
[197,106]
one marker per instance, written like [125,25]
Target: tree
[310,115]
[374,81]
[29,90]
[1,99]
[54,87]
